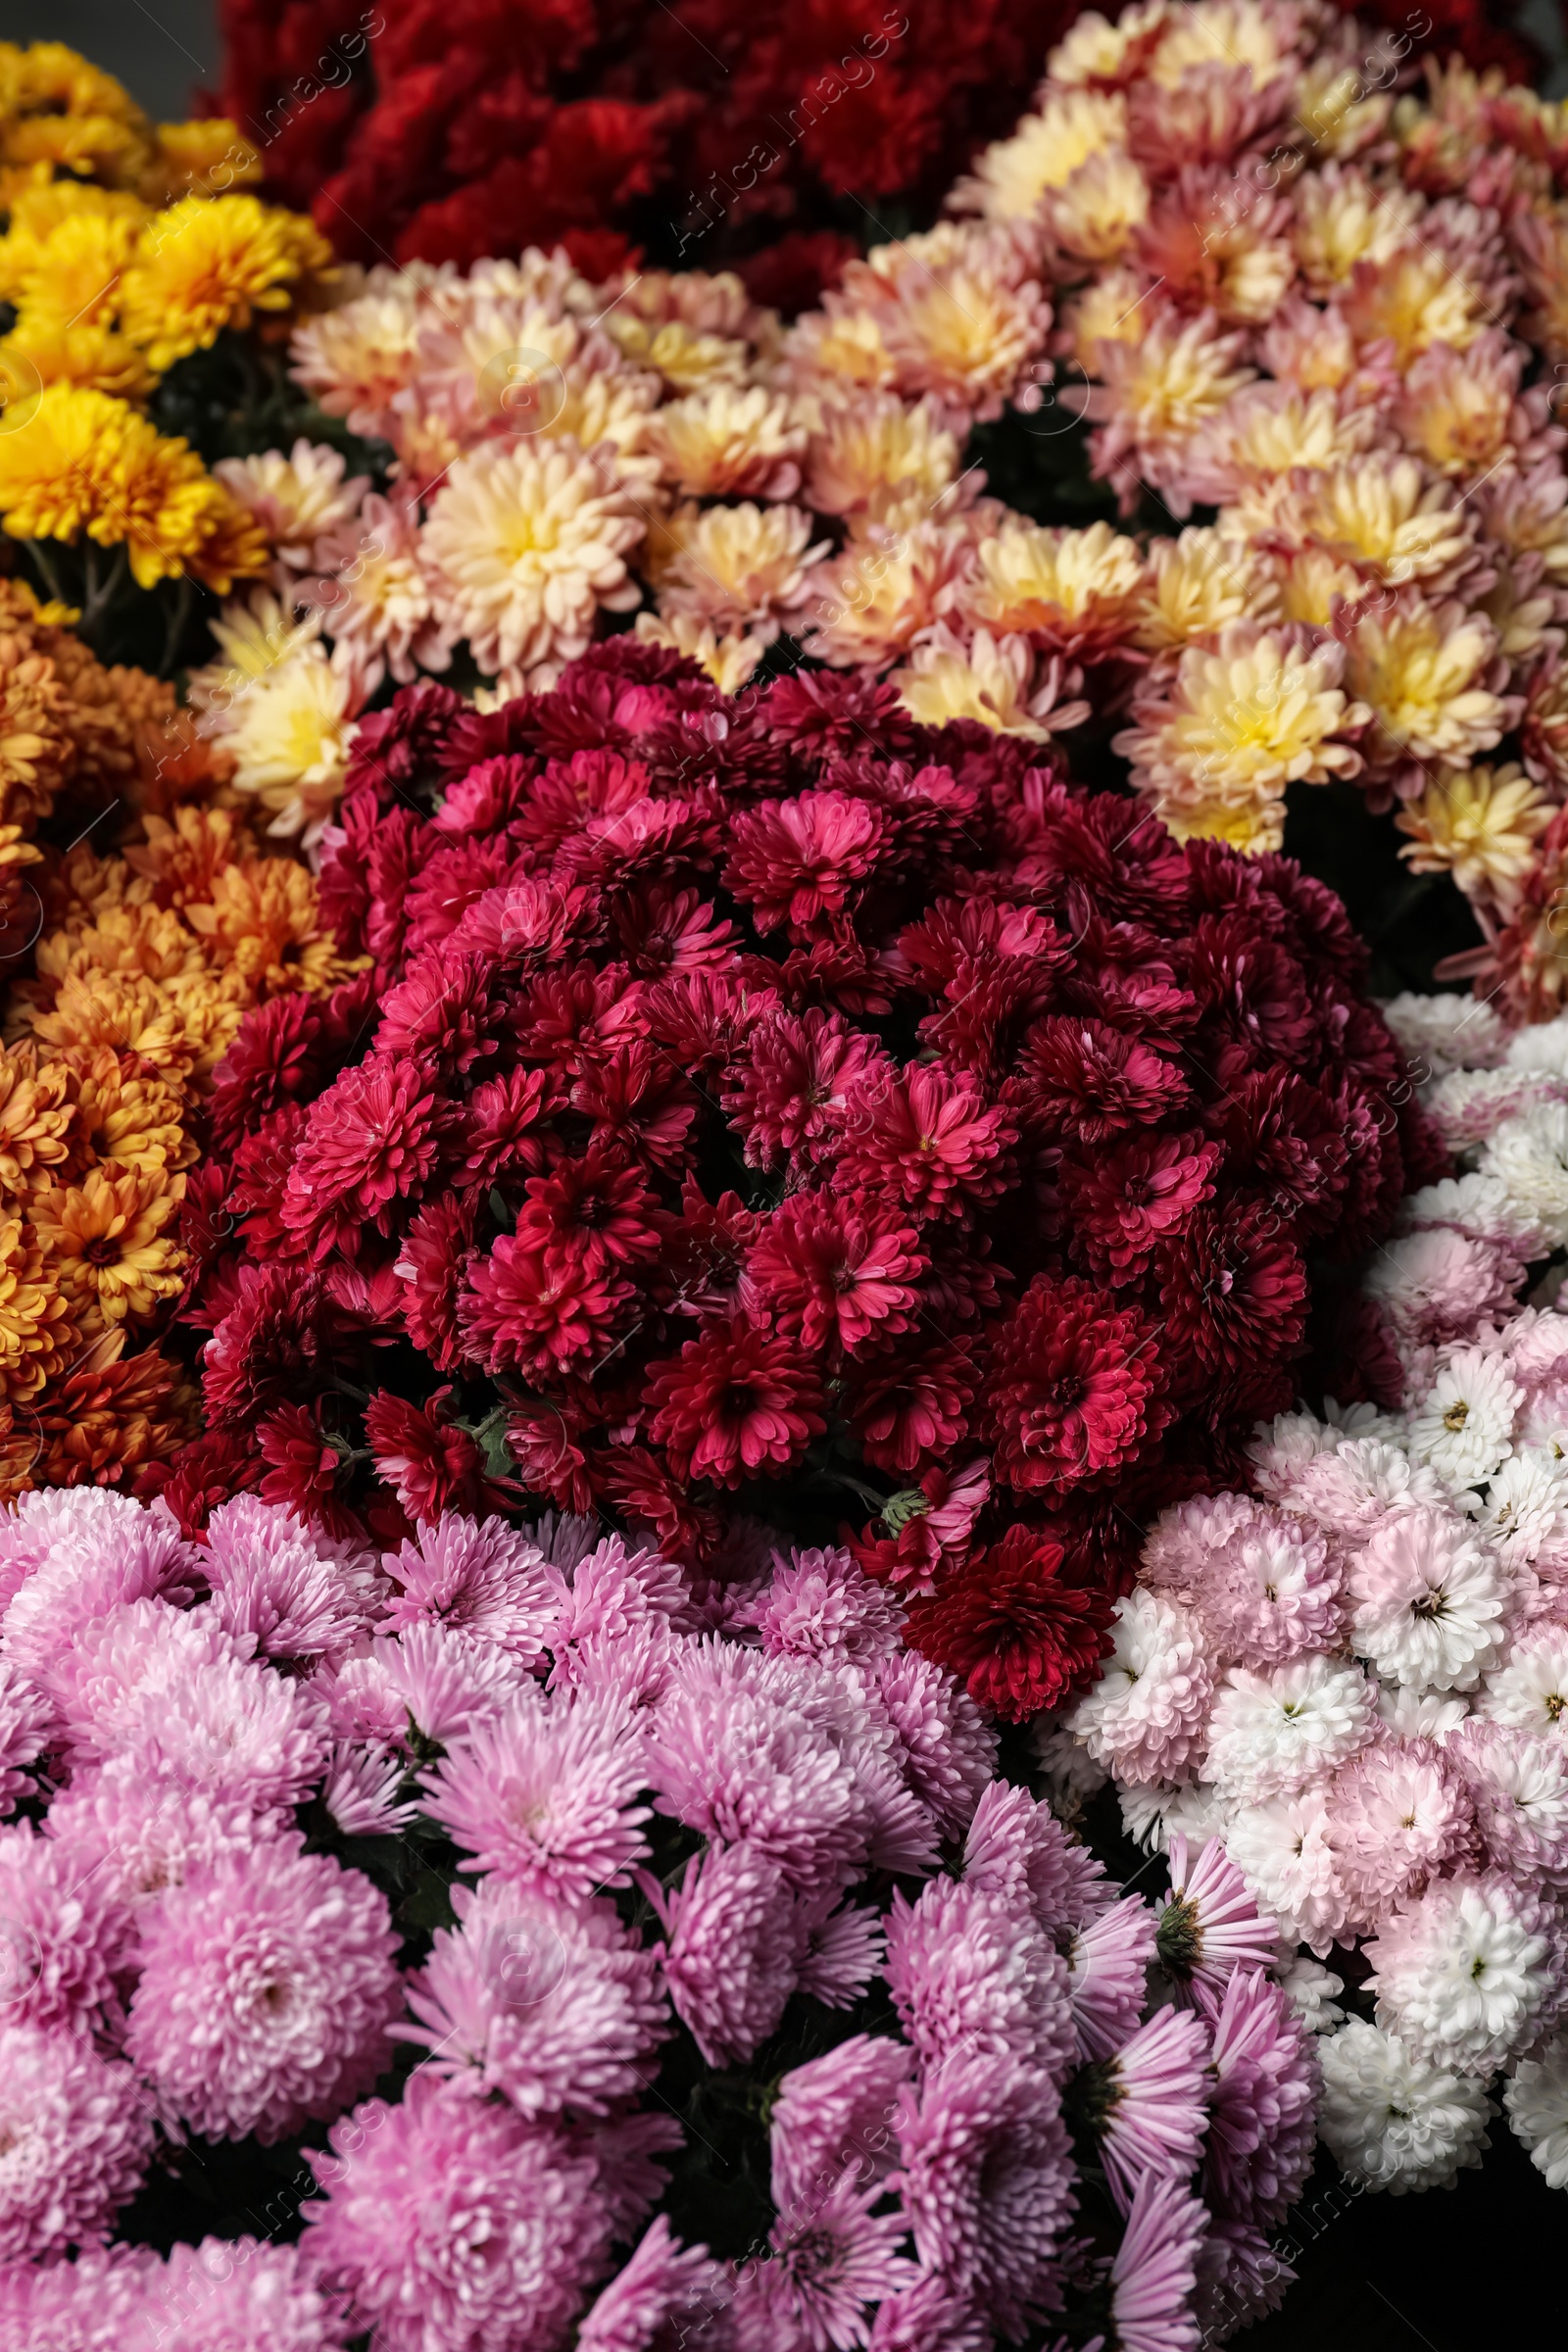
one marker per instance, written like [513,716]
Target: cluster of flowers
[1334,320]
[124,253]
[142,964]
[449,133]
[1354,1673]
[775,1089]
[672,1832]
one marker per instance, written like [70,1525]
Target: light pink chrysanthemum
[1283,1852]
[819,1605]
[972,1974]
[1145,1718]
[268,1982]
[824,2265]
[1518,1786]
[946,1750]
[554,2007]
[543,1796]
[985,2178]
[451,2223]
[75,2133]
[26,1718]
[1395,1815]
[445,1683]
[930,2317]
[233,2295]
[1272,1732]
[83,1552]
[833,2117]
[132,1833]
[1430,1604]
[1261,1581]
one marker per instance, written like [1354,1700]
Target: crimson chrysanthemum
[1021,1622]
[1076,1386]
[735,1403]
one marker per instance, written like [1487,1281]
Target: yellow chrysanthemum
[210,156]
[105,1244]
[687,360]
[1425,670]
[61,110]
[92,356]
[210,262]
[1413,299]
[262,920]
[124,1118]
[41,213]
[38,1337]
[1073,592]
[35,1117]
[1381,516]
[289,732]
[125,939]
[1480,826]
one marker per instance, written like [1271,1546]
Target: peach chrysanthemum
[876,455]
[1343,218]
[1095,49]
[1111,308]
[1072,592]
[1211,250]
[1526,512]
[728,660]
[104,1241]
[356,361]
[524,544]
[1158,392]
[1462,412]
[729,443]
[1235,724]
[961,312]
[837,349]
[1196,583]
[1412,299]
[1481,825]
[1043,152]
[885,588]
[1096,215]
[1268,431]
[295,500]
[1433,679]
[374,596]
[738,567]
[991,679]
[1384,516]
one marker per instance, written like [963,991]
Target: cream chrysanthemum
[1381,515]
[289,732]
[1196,584]
[737,567]
[881,457]
[1343,218]
[728,660]
[1072,592]
[1427,674]
[1159,390]
[1098,211]
[297,500]
[991,679]
[885,589]
[728,443]
[1044,151]
[524,544]
[1479,825]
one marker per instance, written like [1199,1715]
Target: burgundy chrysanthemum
[373,1137]
[1074,1387]
[837,1270]
[1022,1624]
[534,1312]
[735,1403]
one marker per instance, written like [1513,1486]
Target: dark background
[1463,2270]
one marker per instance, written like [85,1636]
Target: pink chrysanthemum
[1149,2103]
[543,1796]
[1263,1583]
[1108,1975]
[553,2007]
[1155,2268]
[1210,1926]
[1396,1814]
[972,1974]
[826,2263]
[986,2179]
[1262,2120]
[62,1939]
[1018,1851]
[833,2118]
[666,2295]
[235,2296]
[443,1682]
[451,2223]
[820,1606]
[484,1580]
[26,1718]
[267,1985]
[75,2133]
[1146,1718]
[270,1579]
[728,1962]
[947,1749]
[1518,1786]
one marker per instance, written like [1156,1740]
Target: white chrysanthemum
[1420,1714]
[1524,1511]
[1463,1425]
[1282,1850]
[1530,1688]
[1153,1816]
[1447,1032]
[1469,1106]
[1389,2121]
[1479,1205]
[526,542]
[1537,2099]
[1528,1157]
[1310,1991]
[1145,1718]
[1464,1973]
[1430,1603]
[1271,1734]
[1542,1049]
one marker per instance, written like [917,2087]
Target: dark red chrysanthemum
[794,1081]
[1093,1082]
[1022,1625]
[797,860]
[430,1465]
[737,1402]
[529,1310]
[1073,1387]
[375,1137]
[1234,1292]
[595,1212]
[926,1140]
[909,1403]
[835,1271]
[1123,1200]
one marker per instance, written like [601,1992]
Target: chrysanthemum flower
[543,1795]
[1467,1973]
[1147,1717]
[1391,2119]
[1072,592]
[1481,825]
[76,2132]
[207,264]
[738,567]
[106,1243]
